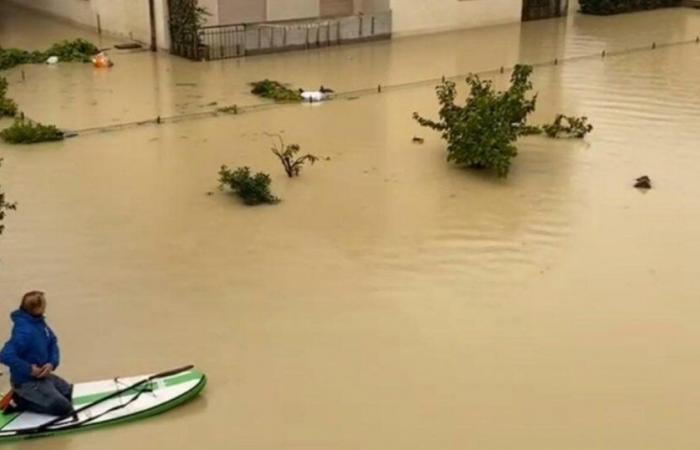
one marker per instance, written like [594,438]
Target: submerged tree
[5,206]
[289,159]
[482,133]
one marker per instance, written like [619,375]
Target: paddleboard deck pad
[108,402]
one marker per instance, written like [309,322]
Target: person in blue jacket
[32,355]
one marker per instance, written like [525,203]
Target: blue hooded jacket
[32,342]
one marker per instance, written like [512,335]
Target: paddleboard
[109,402]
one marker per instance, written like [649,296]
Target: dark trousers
[51,395]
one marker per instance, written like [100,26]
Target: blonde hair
[31,300]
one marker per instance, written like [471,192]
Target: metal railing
[231,41]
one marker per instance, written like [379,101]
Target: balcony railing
[231,41]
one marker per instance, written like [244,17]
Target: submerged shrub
[288,157]
[252,189]
[11,57]
[77,50]
[568,126]
[275,90]
[482,133]
[233,109]
[8,107]
[5,206]
[24,131]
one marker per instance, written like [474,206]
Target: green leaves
[8,107]
[275,90]
[568,127]
[482,133]
[5,206]
[77,50]
[252,189]
[12,57]
[25,131]
[186,18]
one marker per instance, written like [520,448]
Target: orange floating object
[101,60]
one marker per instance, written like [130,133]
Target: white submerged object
[108,402]
[314,96]
[52,60]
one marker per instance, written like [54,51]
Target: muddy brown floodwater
[391,301]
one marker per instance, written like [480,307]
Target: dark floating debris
[128,46]
[643,182]
[418,140]
[233,109]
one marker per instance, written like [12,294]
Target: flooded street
[391,300]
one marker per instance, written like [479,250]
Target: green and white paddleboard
[102,403]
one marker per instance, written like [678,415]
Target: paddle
[116,393]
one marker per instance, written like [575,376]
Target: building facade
[409,16]
[147,21]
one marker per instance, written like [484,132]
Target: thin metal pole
[152,13]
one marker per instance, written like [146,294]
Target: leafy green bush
[287,156]
[482,133]
[8,107]
[78,50]
[606,7]
[252,189]
[568,126]
[5,206]
[11,57]
[25,131]
[186,19]
[275,90]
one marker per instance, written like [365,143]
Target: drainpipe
[152,14]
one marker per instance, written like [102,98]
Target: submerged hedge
[77,50]
[607,7]
[24,131]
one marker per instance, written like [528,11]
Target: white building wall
[425,16]
[372,6]
[130,18]
[78,11]
[212,7]
[292,9]
[126,18]
[242,11]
